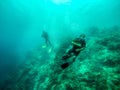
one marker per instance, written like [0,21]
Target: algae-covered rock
[96,68]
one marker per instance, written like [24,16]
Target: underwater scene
[59,44]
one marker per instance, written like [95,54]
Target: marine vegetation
[96,68]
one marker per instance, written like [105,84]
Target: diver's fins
[44,46]
[49,51]
[65,65]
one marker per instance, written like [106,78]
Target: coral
[96,68]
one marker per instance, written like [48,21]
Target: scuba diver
[46,37]
[78,44]
[47,40]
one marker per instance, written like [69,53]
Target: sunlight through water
[61,1]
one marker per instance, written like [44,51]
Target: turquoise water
[27,64]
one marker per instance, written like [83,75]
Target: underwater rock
[96,68]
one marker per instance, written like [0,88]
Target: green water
[26,63]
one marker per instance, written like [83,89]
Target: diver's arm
[70,47]
[74,43]
[80,49]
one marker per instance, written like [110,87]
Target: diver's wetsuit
[75,50]
[78,45]
[46,37]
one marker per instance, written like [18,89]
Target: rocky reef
[96,68]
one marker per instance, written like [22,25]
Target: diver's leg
[65,65]
[73,60]
[49,43]
[75,56]
[67,55]
[46,42]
